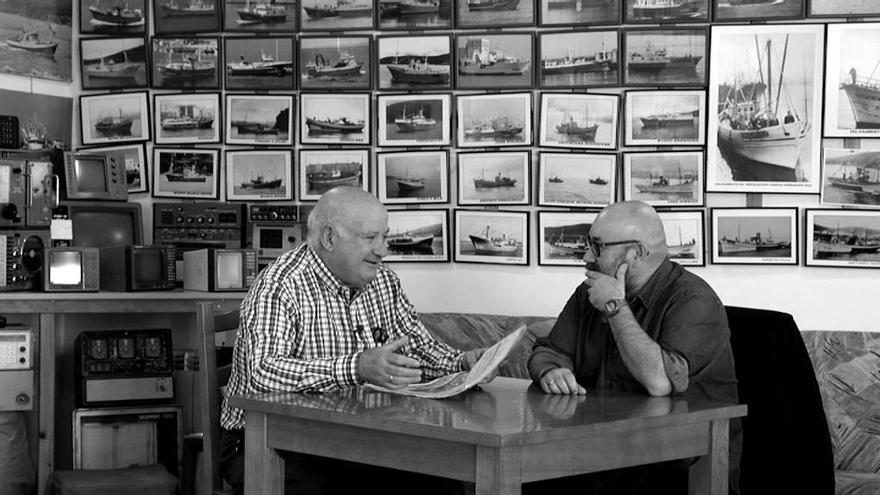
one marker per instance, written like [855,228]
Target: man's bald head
[342,206]
[632,220]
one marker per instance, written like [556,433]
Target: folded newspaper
[456,383]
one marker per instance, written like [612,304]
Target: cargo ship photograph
[665,178]
[493,61]
[578,59]
[413,176]
[418,235]
[259,63]
[415,14]
[745,236]
[414,119]
[187,16]
[414,62]
[563,237]
[335,62]
[190,174]
[655,57]
[334,119]
[493,178]
[187,118]
[329,175]
[845,239]
[330,15]
[185,63]
[340,125]
[578,121]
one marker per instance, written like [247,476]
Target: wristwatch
[612,307]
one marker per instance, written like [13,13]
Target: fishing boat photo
[492,4]
[682,249]
[481,60]
[738,244]
[30,41]
[663,185]
[556,179]
[266,66]
[857,172]
[345,65]
[332,175]
[184,169]
[415,7]
[259,182]
[572,128]
[410,241]
[414,122]
[355,9]
[192,67]
[653,59]
[603,60]
[108,69]
[598,181]
[321,11]
[419,72]
[669,119]
[863,94]
[576,247]
[188,117]
[117,14]
[665,9]
[341,125]
[114,124]
[408,183]
[499,180]
[499,245]
[183,8]
[493,129]
[245,127]
[261,12]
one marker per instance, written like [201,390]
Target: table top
[506,411]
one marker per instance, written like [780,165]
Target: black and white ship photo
[492,61]
[499,178]
[748,236]
[113,63]
[334,118]
[415,62]
[852,84]
[322,170]
[577,180]
[186,16]
[578,12]
[185,63]
[765,103]
[494,120]
[742,10]
[494,13]
[187,118]
[335,62]
[112,17]
[843,8]
[335,15]
[665,57]
[664,178]
[415,14]
[259,175]
[579,120]
[563,237]
[186,173]
[657,11]
[843,238]
[850,177]
[418,235]
[497,237]
[114,118]
[685,236]
[413,177]
[414,120]
[259,63]
[259,16]
[259,119]
[578,59]
[665,118]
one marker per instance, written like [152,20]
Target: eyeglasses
[597,246]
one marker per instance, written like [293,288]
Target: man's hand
[561,381]
[604,288]
[384,367]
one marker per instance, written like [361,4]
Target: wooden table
[499,437]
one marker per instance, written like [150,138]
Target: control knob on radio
[10,212]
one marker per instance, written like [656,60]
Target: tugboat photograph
[578,59]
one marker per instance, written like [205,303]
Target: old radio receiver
[16,369]
[21,259]
[28,193]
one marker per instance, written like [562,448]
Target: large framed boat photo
[414,62]
[186,118]
[113,63]
[259,16]
[412,177]
[494,61]
[322,170]
[496,120]
[334,118]
[494,237]
[577,180]
[494,178]
[850,177]
[665,118]
[755,236]
[471,14]
[335,62]
[685,236]
[757,10]
[415,15]
[259,175]
[562,237]
[665,57]
[852,86]
[133,157]
[265,120]
[336,15]
[112,18]
[664,178]
[37,41]
[843,8]
[186,16]
[764,132]
[578,59]
[666,11]
[418,236]
[257,63]
[842,238]
[186,173]
[578,12]
[414,120]
[583,121]
[114,118]
[185,63]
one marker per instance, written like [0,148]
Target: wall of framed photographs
[496,129]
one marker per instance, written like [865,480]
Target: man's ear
[328,237]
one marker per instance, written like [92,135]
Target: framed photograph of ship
[585,121]
[113,18]
[186,118]
[842,8]
[415,62]
[185,63]
[501,119]
[850,177]
[186,173]
[260,16]
[742,10]
[562,237]
[114,118]
[471,14]
[665,57]
[578,12]
[665,11]
[265,120]
[413,177]
[186,16]
[842,238]
[498,178]
[755,236]
[265,175]
[578,59]
[763,135]
[321,170]
[494,61]
[664,178]
[336,15]
[665,118]
[495,237]
[135,159]
[113,63]
[335,62]
[577,180]
[416,15]
[334,118]
[418,235]
[852,87]
[259,63]
[414,120]
[685,236]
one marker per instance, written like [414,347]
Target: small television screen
[65,267]
[147,267]
[90,174]
[106,224]
[229,270]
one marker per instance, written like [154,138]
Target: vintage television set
[94,177]
[219,270]
[71,269]
[136,268]
[97,224]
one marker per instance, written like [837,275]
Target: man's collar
[650,291]
[327,278]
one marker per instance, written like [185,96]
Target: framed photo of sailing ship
[842,238]
[754,10]
[664,178]
[192,173]
[256,16]
[763,135]
[133,157]
[850,177]
[112,18]
[578,12]
[327,118]
[414,120]
[335,62]
[413,177]
[322,170]
[665,118]
[666,11]
[494,61]
[755,236]
[578,59]
[576,180]
[685,236]
[415,15]
[842,8]
[114,118]
[186,118]
[418,236]
[186,16]
[562,237]
[584,121]
[259,175]
[496,178]
[414,62]
[494,237]
[497,120]
[851,86]
[113,63]
[259,119]
[185,62]
[337,15]
[665,57]
[258,63]
[471,14]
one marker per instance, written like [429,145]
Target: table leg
[263,467]
[499,471]
[709,474]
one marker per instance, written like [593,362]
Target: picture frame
[577,180]
[321,170]
[412,177]
[327,118]
[192,173]
[562,237]
[842,238]
[665,57]
[186,16]
[414,119]
[415,16]
[665,118]
[685,236]
[566,13]
[582,121]
[850,84]
[114,118]
[578,59]
[755,236]
[135,159]
[265,120]
[494,178]
[259,63]
[259,175]
[783,156]
[278,16]
[642,12]
[725,10]
[664,178]
[126,19]
[418,236]
[335,62]
[496,120]
[842,8]
[316,15]
[113,63]
[506,243]
[414,62]
[850,177]
[494,61]
[187,118]
[494,13]
[190,62]
[38,44]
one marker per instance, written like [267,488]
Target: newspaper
[456,383]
